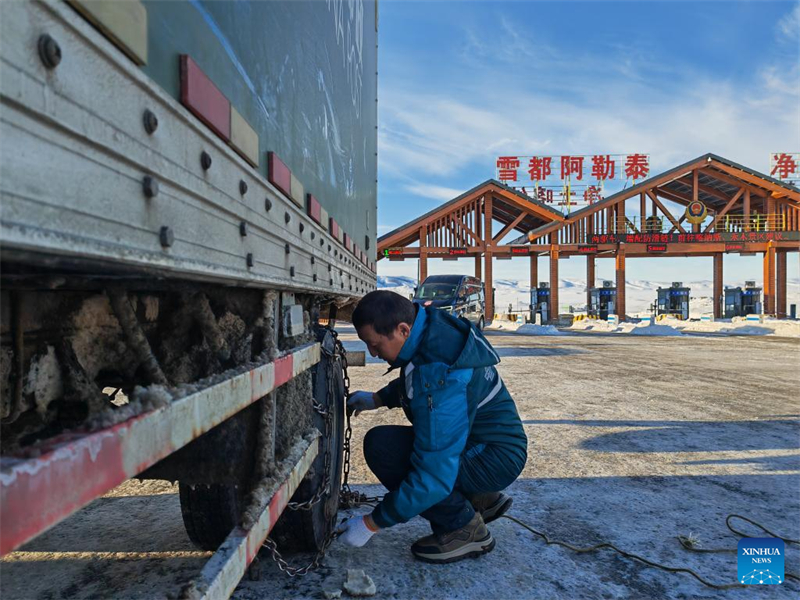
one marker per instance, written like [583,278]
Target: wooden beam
[769,279]
[553,316]
[763,183]
[717,294]
[724,211]
[681,220]
[487,257]
[665,211]
[496,239]
[780,284]
[544,230]
[620,272]
[643,208]
[732,181]
[590,278]
[423,254]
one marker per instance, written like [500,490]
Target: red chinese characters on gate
[596,167]
[507,168]
[784,166]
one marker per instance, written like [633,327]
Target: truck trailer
[187,202]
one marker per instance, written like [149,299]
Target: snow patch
[660,330]
[531,329]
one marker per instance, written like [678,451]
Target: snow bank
[660,330]
[503,326]
[738,326]
[531,329]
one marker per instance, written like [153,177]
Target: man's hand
[360,401]
[356,531]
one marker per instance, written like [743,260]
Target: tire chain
[347,498]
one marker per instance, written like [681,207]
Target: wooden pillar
[780,284]
[746,210]
[717,293]
[478,266]
[487,257]
[769,280]
[620,268]
[553,282]
[423,254]
[534,270]
[642,210]
[590,276]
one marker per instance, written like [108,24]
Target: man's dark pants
[387,450]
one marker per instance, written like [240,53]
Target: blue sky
[461,83]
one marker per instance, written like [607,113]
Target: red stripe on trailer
[95,459]
[314,209]
[334,228]
[279,174]
[283,370]
[203,98]
[348,243]
[73,469]
[224,570]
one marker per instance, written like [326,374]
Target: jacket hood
[462,345]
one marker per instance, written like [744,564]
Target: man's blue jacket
[452,393]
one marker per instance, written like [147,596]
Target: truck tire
[307,530]
[210,512]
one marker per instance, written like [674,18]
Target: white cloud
[430,133]
[789,25]
[435,192]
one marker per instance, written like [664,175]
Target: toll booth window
[436,291]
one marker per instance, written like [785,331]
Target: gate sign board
[584,249]
[785,166]
[656,247]
[694,238]
[457,251]
[520,249]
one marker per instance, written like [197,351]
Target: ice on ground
[662,330]
[531,329]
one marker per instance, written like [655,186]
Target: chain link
[347,497]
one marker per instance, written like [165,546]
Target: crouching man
[465,444]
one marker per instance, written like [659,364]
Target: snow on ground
[531,329]
[661,330]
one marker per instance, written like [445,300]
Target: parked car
[460,295]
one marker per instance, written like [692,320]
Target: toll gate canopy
[743,211]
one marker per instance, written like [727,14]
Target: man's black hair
[384,310]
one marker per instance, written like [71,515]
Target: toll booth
[740,302]
[673,301]
[602,301]
[540,302]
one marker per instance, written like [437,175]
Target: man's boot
[470,541]
[491,505]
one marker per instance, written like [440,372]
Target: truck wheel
[210,512]
[307,530]
[480,324]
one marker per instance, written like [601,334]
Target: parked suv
[460,295]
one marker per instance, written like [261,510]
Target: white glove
[360,401]
[355,532]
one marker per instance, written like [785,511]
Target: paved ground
[631,440]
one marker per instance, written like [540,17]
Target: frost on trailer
[180,205]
